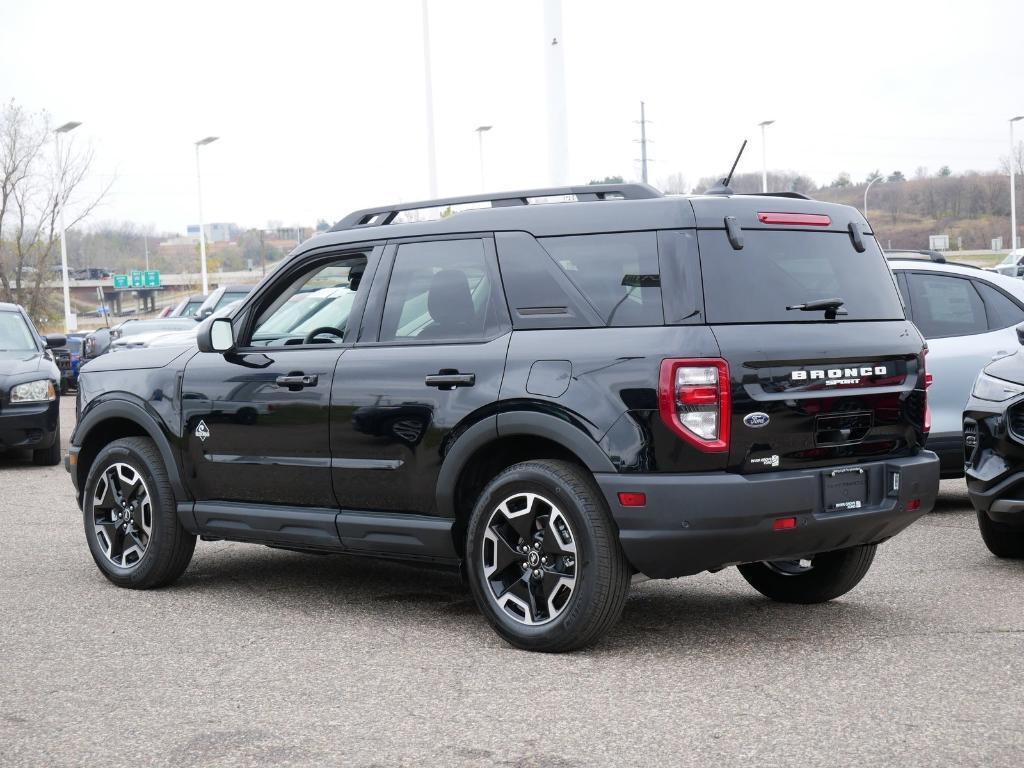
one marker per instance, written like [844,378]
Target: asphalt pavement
[264,657]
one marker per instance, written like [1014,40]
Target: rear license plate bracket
[844,489]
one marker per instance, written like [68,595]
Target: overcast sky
[320,105]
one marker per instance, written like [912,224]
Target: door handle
[449,378]
[296,381]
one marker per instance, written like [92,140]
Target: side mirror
[216,336]
[1020,334]
[55,340]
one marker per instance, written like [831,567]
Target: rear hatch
[825,385]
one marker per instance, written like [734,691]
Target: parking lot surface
[264,657]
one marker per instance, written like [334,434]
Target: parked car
[68,359]
[130,333]
[968,316]
[1012,265]
[29,387]
[554,397]
[187,307]
[225,294]
[994,453]
[187,336]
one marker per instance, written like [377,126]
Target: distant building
[223,232]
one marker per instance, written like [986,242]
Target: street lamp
[764,156]
[66,128]
[480,130]
[872,181]
[1013,198]
[202,233]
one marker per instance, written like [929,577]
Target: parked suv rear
[555,397]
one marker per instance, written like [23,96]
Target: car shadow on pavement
[683,612]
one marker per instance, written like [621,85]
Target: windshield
[15,335]
[229,297]
[779,269]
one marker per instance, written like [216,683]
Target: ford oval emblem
[756,419]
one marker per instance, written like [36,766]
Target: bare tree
[674,184]
[35,187]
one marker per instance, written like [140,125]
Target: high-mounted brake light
[693,400]
[795,219]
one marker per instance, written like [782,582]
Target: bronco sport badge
[202,431]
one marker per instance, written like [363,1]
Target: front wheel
[131,523]
[1002,540]
[816,579]
[543,558]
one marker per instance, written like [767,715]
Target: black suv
[557,397]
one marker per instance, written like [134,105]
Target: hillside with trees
[971,207]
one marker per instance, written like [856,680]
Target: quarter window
[1002,310]
[946,306]
[617,273]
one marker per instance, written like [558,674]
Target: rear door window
[777,269]
[617,273]
[946,306]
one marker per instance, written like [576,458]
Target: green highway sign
[120,281]
[152,278]
[136,278]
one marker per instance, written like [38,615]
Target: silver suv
[968,316]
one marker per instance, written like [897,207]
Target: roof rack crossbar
[369,217]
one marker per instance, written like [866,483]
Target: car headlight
[997,390]
[33,392]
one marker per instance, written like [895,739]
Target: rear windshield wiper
[832,307]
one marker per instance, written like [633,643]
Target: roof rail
[375,217]
[935,256]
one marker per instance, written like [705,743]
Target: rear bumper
[698,522]
[29,426]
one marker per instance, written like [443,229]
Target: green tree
[944,171]
[897,176]
[607,180]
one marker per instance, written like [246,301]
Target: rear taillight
[693,399]
[927,383]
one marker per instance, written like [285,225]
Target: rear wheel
[543,558]
[817,579]
[1002,540]
[130,519]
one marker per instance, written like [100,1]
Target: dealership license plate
[845,489]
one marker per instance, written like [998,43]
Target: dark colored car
[994,453]
[68,359]
[29,388]
[223,296]
[554,397]
[187,307]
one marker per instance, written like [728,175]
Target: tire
[1002,540]
[143,557]
[49,457]
[829,575]
[553,509]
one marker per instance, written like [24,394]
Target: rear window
[782,268]
[617,273]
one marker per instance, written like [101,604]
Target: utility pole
[263,255]
[554,81]
[428,90]
[643,143]
[145,244]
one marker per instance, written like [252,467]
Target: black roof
[604,208]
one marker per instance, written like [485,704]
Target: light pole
[872,181]
[202,232]
[764,156]
[1013,194]
[428,89]
[70,126]
[480,131]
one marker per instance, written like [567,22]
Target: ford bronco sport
[555,397]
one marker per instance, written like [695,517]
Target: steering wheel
[340,333]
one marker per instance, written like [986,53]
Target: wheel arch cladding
[493,445]
[113,420]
